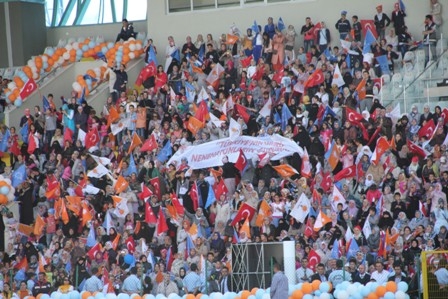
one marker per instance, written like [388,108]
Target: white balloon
[44,58]
[132,47]
[62,58]
[400,295]
[77,87]
[66,56]
[138,46]
[68,47]
[131,55]
[31,63]
[343,294]
[75,45]
[12,85]
[324,296]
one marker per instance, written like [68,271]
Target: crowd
[101,209]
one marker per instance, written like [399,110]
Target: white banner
[209,154]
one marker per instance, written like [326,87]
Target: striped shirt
[93,284]
[192,282]
[279,286]
[132,285]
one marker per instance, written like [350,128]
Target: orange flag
[116,241]
[392,144]
[57,208]
[39,225]
[194,125]
[361,89]
[24,229]
[113,116]
[391,239]
[121,185]
[197,69]
[117,200]
[285,170]
[193,229]
[246,228]
[64,213]
[23,264]
[231,39]
[136,141]
[333,160]
[382,145]
[263,212]
[86,215]
[42,263]
[172,211]
[74,204]
[216,173]
[321,220]
[54,193]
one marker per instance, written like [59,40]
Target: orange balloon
[297,294]
[86,295]
[245,294]
[253,291]
[198,296]
[315,284]
[12,97]
[72,58]
[55,57]
[307,288]
[391,286]
[97,49]
[72,52]
[38,64]
[38,59]
[50,61]
[19,82]
[3,183]
[16,92]
[126,50]
[380,291]
[59,52]
[137,297]
[189,296]
[372,296]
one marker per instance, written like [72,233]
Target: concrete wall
[28,31]
[108,31]
[161,24]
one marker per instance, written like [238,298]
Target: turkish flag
[93,251]
[202,112]
[150,144]
[241,162]
[326,181]
[416,149]
[23,264]
[194,195]
[378,82]
[278,76]
[427,130]
[146,192]
[81,185]
[220,189]
[245,62]
[360,172]
[150,217]
[245,211]
[28,88]
[316,29]
[148,71]
[92,138]
[15,148]
[314,79]
[53,193]
[308,228]
[242,111]
[313,260]
[52,182]
[68,135]
[161,223]
[155,182]
[130,244]
[348,172]
[32,143]
[369,24]
[445,115]
[177,205]
[258,75]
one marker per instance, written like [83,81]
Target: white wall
[161,24]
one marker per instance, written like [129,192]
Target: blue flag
[83,96]
[201,53]
[384,64]
[91,238]
[190,243]
[4,142]
[277,118]
[165,153]
[190,92]
[168,257]
[328,111]
[152,56]
[88,77]
[255,27]
[131,168]
[200,202]
[330,149]
[18,176]
[281,25]
[176,55]
[211,196]
[368,41]
[402,6]
[348,61]
[353,249]
[335,250]
[313,213]
[327,53]
[286,115]
[24,132]
[45,103]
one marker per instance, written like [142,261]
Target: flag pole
[427,91]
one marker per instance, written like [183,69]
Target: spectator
[127,31]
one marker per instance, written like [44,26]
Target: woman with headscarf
[441,216]
[358,236]
[386,221]
[230,75]
[411,252]
[373,241]
[217,246]
[402,221]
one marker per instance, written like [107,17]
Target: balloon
[55,295]
[85,48]
[99,295]
[64,296]
[66,55]
[374,286]
[308,296]
[4,190]
[18,102]
[131,55]
[324,296]
[78,88]
[307,288]
[400,295]
[259,293]
[12,85]
[111,296]
[342,294]
[297,294]
[91,44]
[250,297]
[266,296]
[372,296]
[403,286]
[352,289]
[49,51]
[389,295]
[74,295]
[132,47]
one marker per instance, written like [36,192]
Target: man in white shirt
[379,275]
[303,274]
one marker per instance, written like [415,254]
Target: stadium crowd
[101,209]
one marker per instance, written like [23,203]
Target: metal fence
[432,264]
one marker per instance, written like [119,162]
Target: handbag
[289,48]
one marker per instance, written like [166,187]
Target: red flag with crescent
[348,172]
[155,182]
[241,162]
[368,24]
[353,115]
[245,211]
[314,79]
[28,88]
[92,138]
[427,130]
[313,260]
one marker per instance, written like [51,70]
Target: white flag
[216,121]
[121,210]
[82,137]
[235,129]
[215,73]
[338,198]
[348,234]
[101,160]
[301,208]
[89,189]
[98,172]
[267,108]
[366,229]
[337,77]
[120,126]
[202,96]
